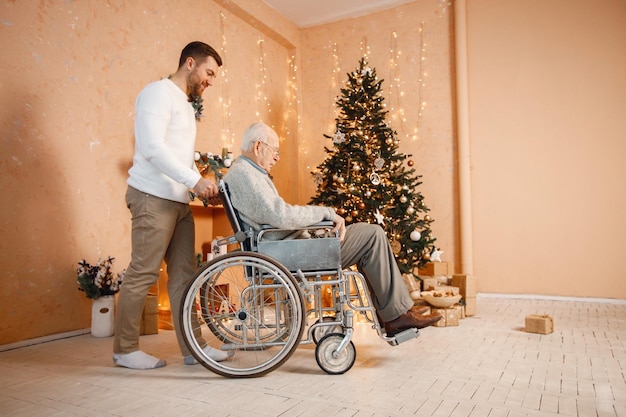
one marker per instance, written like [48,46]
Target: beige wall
[547,105]
[70,74]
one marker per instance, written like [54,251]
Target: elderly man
[256,199]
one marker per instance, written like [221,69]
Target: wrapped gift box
[460,311]
[433,269]
[470,306]
[429,283]
[539,324]
[466,284]
[150,315]
[450,316]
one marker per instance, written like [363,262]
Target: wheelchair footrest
[403,336]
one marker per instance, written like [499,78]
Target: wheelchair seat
[318,251]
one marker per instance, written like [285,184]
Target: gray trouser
[161,230]
[366,246]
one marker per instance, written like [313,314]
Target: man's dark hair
[198,51]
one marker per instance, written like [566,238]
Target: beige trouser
[161,230]
[366,246]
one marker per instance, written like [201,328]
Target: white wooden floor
[486,366]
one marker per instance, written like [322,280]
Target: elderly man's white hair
[257,131]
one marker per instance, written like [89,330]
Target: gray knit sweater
[254,195]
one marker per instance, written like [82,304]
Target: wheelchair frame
[258,301]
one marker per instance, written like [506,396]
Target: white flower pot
[103,316]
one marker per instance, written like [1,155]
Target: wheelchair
[265,298]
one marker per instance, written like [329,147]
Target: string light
[422,75]
[365,49]
[395,92]
[227,134]
[334,87]
[292,94]
[261,86]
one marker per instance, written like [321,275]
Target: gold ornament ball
[427,218]
[410,163]
[426,256]
[340,180]
[410,210]
[361,205]
[348,219]
[341,211]
[368,194]
[403,199]
[354,213]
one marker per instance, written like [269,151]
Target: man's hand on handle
[205,189]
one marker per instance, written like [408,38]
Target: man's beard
[194,88]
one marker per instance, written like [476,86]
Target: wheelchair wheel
[330,362]
[246,303]
[319,332]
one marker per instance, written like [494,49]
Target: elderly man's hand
[340,226]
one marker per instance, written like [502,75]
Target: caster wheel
[320,332]
[331,363]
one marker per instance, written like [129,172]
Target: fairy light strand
[422,75]
[334,87]
[227,134]
[365,49]
[261,86]
[292,93]
[396,110]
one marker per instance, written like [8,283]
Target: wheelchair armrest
[324,223]
[319,225]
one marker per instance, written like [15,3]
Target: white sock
[215,354]
[137,360]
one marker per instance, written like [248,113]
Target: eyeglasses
[276,153]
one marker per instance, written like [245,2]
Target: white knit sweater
[254,195]
[165,138]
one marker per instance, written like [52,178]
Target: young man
[256,199]
[160,178]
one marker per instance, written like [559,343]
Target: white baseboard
[552,297]
[43,339]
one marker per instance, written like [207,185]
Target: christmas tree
[366,179]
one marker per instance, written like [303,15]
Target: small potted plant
[100,284]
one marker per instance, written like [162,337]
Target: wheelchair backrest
[233,215]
